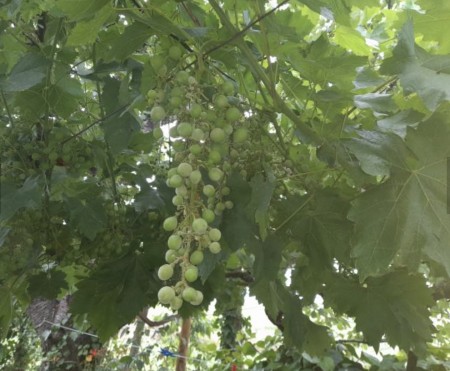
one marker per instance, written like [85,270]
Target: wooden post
[183,346]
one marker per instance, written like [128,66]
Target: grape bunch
[206,129]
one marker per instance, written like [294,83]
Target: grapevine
[205,129]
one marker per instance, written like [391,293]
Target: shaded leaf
[13,199]
[47,284]
[407,215]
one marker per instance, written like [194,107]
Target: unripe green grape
[199,226]
[189,294]
[220,206]
[171,171]
[228,88]
[209,190]
[184,129]
[157,133]
[166,294]
[195,149]
[217,135]
[214,234]
[157,113]
[162,71]
[225,191]
[175,52]
[240,135]
[198,298]
[228,129]
[215,174]
[182,77]
[195,177]
[198,134]
[165,272]
[221,101]
[196,257]
[174,242]
[214,157]
[211,116]
[208,215]
[176,303]
[170,256]
[178,146]
[170,223]
[181,191]
[157,61]
[173,132]
[191,274]
[232,114]
[214,247]
[195,110]
[229,204]
[177,92]
[184,169]
[175,102]
[176,181]
[177,200]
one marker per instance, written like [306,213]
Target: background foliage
[339,191]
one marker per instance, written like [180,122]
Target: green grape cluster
[205,130]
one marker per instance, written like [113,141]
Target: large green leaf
[394,305]
[28,72]
[406,216]
[13,198]
[420,72]
[88,216]
[115,293]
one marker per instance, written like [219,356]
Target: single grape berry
[214,234]
[165,272]
[215,174]
[170,223]
[198,298]
[157,133]
[208,215]
[217,135]
[195,177]
[199,226]
[184,169]
[166,294]
[240,135]
[175,52]
[195,110]
[221,101]
[176,303]
[232,114]
[195,149]
[214,157]
[184,129]
[177,200]
[175,181]
[157,113]
[189,294]
[170,256]
[209,190]
[191,274]
[214,247]
[198,134]
[196,257]
[174,242]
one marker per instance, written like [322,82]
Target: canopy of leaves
[342,184]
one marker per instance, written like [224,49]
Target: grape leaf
[47,284]
[88,216]
[378,102]
[6,310]
[262,190]
[378,153]
[398,301]
[13,199]
[81,9]
[28,72]
[406,215]
[115,293]
[398,123]
[419,71]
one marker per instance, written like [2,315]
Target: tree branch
[143,317]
